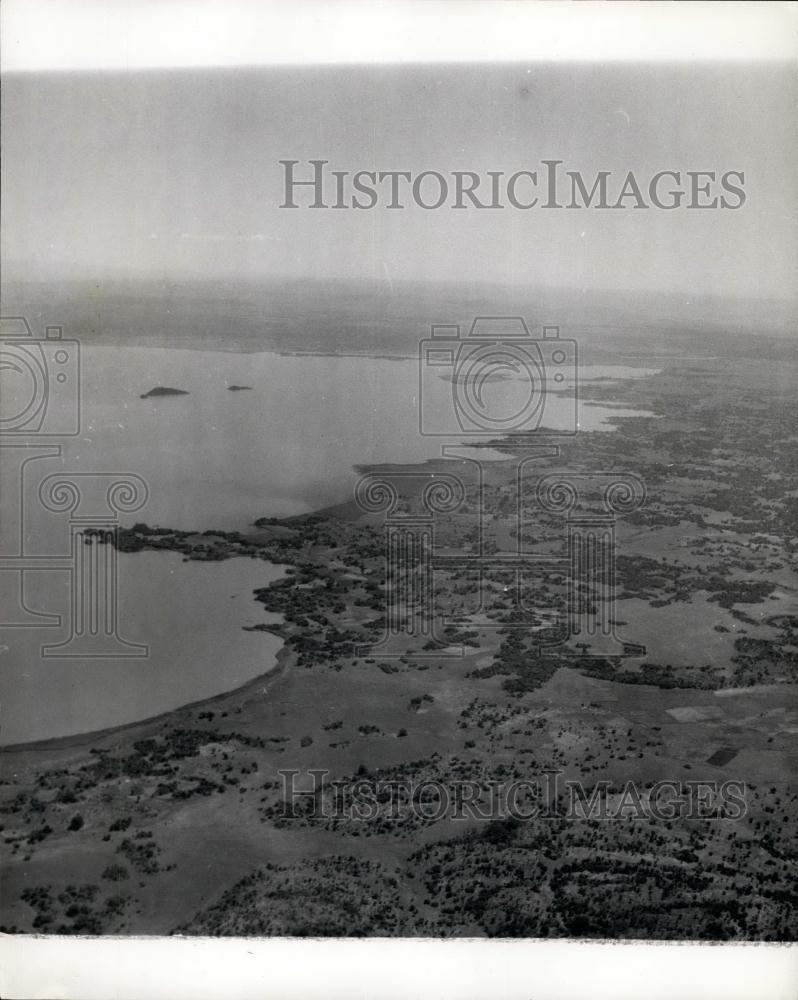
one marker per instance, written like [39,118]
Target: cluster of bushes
[74,910]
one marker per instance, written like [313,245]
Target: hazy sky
[176,172]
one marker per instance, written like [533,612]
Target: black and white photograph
[399,493]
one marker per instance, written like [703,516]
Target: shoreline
[77,741]
[347,510]
[188,804]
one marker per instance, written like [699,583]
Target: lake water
[213,458]
[190,615]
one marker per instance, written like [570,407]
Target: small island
[164,390]
[238,388]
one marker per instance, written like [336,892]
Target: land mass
[164,390]
[185,823]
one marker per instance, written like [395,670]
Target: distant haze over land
[363,317]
